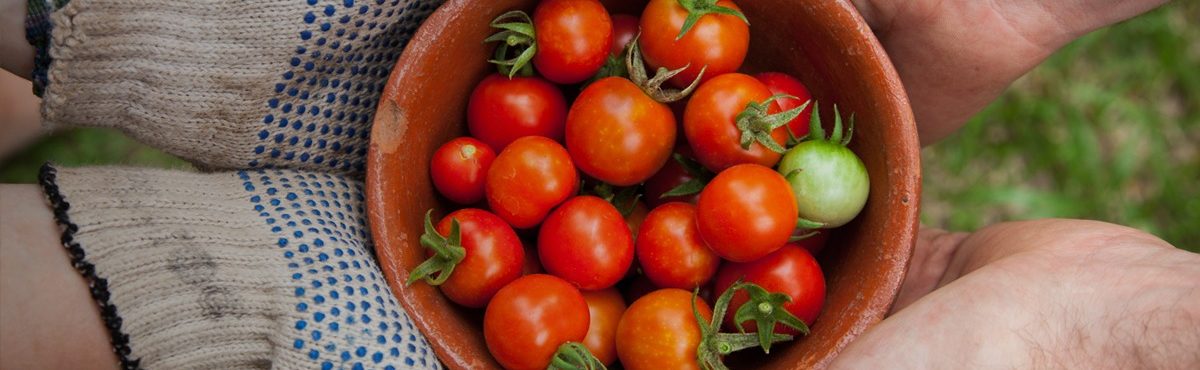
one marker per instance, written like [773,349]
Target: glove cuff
[98,286]
[37,32]
[242,270]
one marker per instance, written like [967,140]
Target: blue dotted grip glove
[234,270]
[229,84]
[267,260]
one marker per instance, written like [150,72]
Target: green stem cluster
[700,8]
[756,123]
[516,32]
[766,309]
[447,253]
[574,356]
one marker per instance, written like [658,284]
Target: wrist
[16,54]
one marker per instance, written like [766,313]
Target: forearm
[48,320]
[955,57]
[16,55]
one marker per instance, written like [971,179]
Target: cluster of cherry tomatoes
[695,178]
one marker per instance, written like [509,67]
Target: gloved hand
[249,269]
[226,84]
[233,270]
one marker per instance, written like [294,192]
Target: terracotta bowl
[824,43]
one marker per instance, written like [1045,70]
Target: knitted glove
[225,84]
[251,269]
[246,270]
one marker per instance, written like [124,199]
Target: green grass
[80,147]
[1106,129]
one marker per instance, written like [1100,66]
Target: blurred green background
[1107,129]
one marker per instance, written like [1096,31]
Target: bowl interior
[823,43]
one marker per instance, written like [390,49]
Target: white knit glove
[259,268]
[234,270]
[230,84]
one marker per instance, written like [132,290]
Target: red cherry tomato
[586,241]
[605,308]
[459,167]
[529,178]
[670,251]
[494,257]
[790,270]
[625,27]
[659,331]
[781,83]
[618,134]
[573,38]
[530,317]
[746,212]
[710,126]
[718,41]
[501,110]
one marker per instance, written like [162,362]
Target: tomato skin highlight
[659,331]
[530,317]
[718,41]
[782,83]
[618,134]
[605,307]
[494,257]
[459,167]
[573,39]
[500,110]
[791,270]
[746,212]
[529,178]
[586,242]
[710,127]
[670,251]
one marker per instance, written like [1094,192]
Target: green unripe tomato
[830,181]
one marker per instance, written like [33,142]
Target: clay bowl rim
[388,239]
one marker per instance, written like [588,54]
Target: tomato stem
[807,224]
[817,132]
[574,356]
[516,30]
[766,309]
[653,86]
[715,344]
[756,123]
[447,253]
[699,8]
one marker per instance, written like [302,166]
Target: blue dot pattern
[320,114]
[345,315]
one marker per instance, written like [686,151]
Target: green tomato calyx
[699,8]
[715,344]
[756,123]
[700,177]
[624,199]
[766,309]
[636,68]
[574,356]
[816,132]
[447,253]
[516,32]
